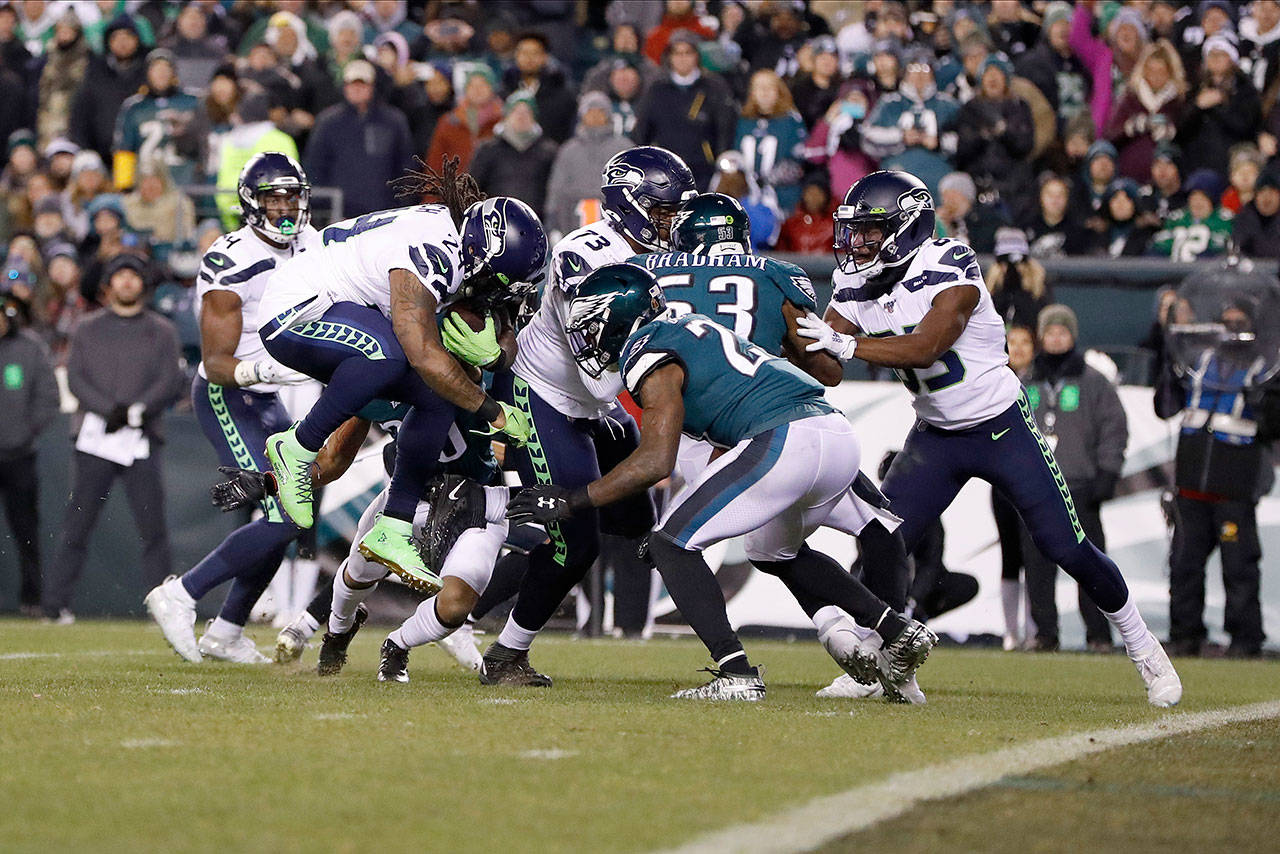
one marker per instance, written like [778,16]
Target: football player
[906,301]
[789,458]
[577,426]
[235,398]
[359,314]
[710,271]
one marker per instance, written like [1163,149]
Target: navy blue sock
[353,385]
[244,549]
[248,588]
[418,445]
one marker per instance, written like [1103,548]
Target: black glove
[1104,486]
[117,418]
[546,503]
[243,488]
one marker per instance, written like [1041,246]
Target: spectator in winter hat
[624,46]
[680,16]
[1224,109]
[1163,194]
[1112,57]
[110,78]
[574,186]
[470,122]
[913,129]
[1054,69]
[1018,283]
[1091,185]
[1256,228]
[517,160]
[1246,164]
[995,135]
[1149,110]
[1125,235]
[1200,230]
[816,90]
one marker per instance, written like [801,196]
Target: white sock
[1010,602]
[515,637]
[423,626]
[836,632]
[176,589]
[342,614]
[305,573]
[224,630]
[1137,638]
[308,623]
[495,503]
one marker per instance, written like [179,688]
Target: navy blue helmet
[271,173]
[607,306]
[504,253]
[642,189]
[885,219]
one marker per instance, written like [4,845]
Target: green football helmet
[606,308]
[710,219]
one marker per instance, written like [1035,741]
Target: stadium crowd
[1096,128]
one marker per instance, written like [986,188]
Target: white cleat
[1011,643]
[292,640]
[461,644]
[1164,688]
[241,650]
[175,618]
[846,687]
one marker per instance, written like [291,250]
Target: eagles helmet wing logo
[583,310]
[624,175]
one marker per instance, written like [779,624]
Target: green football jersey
[742,292]
[733,389]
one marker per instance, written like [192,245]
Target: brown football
[474,319]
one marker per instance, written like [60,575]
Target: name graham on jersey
[684,259]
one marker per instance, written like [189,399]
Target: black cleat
[505,666]
[394,666]
[333,651]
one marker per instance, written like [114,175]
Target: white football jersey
[972,381]
[353,260]
[241,262]
[545,360]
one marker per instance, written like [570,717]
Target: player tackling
[906,301]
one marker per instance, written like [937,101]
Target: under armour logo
[548,503]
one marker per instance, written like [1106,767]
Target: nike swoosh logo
[575,264]
[995,437]
[453,494]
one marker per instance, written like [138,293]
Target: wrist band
[489,410]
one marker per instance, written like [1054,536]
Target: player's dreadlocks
[451,187]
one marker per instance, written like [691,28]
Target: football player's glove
[518,428]
[546,504]
[243,487]
[837,344]
[475,348]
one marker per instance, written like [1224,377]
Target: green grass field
[110,742]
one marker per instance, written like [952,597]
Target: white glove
[837,344]
[251,373]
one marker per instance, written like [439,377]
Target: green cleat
[291,464]
[390,543]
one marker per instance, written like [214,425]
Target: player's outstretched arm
[819,364]
[662,393]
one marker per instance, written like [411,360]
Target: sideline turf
[117,744]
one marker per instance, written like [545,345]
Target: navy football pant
[1009,453]
[237,423]
[570,452]
[354,351]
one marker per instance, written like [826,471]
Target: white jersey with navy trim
[545,360]
[354,258]
[972,381]
[241,262]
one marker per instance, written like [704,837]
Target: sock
[422,627]
[889,626]
[695,591]
[495,503]
[244,549]
[223,630]
[178,591]
[820,576]
[309,624]
[305,573]
[836,632]
[1137,638]
[504,583]
[514,636]
[736,664]
[1010,603]
[342,615]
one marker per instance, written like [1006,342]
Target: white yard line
[809,825]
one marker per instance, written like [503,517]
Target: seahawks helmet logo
[495,229]
[914,201]
[623,175]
